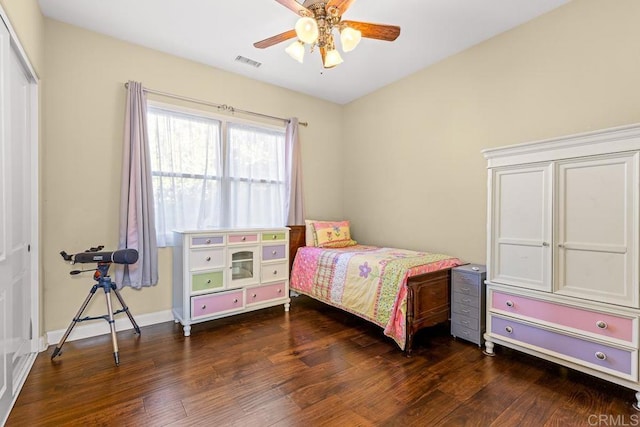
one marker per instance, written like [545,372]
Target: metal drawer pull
[275,271]
[465,289]
[274,252]
[208,258]
[235,300]
[464,322]
[601,324]
[275,237]
[279,291]
[254,295]
[204,306]
[600,355]
[510,303]
[466,311]
[467,300]
[208,241]
[208,281]
[509,329]
[545,244]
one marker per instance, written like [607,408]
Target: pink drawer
[266,293]
[587,352]
[208,305]
[602,324]
[243,238]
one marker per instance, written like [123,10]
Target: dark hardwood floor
[312,366]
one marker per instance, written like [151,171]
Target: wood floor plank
[312,366]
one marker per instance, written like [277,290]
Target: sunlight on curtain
[186,158]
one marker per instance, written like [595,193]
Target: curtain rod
[224,107]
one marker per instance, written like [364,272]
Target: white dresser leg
[187,330]
[287,306]
[636,404]
[488,349]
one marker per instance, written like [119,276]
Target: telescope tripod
[107,286]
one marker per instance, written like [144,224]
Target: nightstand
[468,300]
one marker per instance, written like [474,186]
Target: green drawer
[207,281]
[274,237]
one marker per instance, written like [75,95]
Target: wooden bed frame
[428,295]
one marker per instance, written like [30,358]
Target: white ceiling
[215,32]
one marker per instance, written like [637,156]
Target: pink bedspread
[368,281]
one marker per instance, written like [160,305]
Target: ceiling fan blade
[375,31]
[296,7]
[275,39]
[341,5]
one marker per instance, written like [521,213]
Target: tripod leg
[56,351]
[112,325]
[125,308]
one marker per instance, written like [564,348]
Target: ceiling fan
[315,27]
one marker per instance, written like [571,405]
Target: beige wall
[415,175]
[84,112]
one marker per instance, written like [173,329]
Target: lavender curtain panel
[294,203]
[137,219]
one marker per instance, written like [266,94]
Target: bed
[401,291]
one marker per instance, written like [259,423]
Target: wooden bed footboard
[428,297]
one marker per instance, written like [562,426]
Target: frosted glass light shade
[332,59]
[350,38]
[296,51]
[307,30]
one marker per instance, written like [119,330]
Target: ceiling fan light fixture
[296,50]
[349,38]
[307,30]
[332,59]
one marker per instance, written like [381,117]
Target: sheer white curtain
[137,229]
[256,176]
[186,158]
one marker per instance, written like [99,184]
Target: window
[212,173]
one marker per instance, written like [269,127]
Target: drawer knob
[601,324]
[235,300]
[244,238]
[275,237]
[254,295]
[208,241]
[509,329]
[273,252]
[275,271]
[464,300]
[465,290]
[465,311]
[204,306]
[510,303]
[279,291]
[545,244]
[600,355]
[208,281]
[464,322]
[208,258]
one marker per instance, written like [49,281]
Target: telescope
[120,256]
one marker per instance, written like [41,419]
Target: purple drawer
[273,252]
[587,351]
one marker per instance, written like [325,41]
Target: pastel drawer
[605,325]
[466,333]
[211,280]
[277,271]
[200,259]
[243,238]
[466,322]
[465,310]
[207,240]
[274,236]
[266,293]
[596,355]
[213,304]
[272,252]
[469,300]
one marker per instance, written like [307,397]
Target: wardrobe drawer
[243,238]
[200,259]
[460,331]
[581,319]
[274,236]
[208,281]
[466,283]
[276,271]
[465,310]
[616,361]
[274,252]
[466,322]
[219,303]
[466,299]
[266,293]
[207,240]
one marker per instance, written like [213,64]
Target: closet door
[597,239]
[520,226]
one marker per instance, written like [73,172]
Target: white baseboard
[100,327]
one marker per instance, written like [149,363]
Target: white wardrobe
[563,256]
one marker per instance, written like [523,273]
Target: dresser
[468,302]
[219,273]
[563,251]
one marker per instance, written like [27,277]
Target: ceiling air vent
[248,61]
